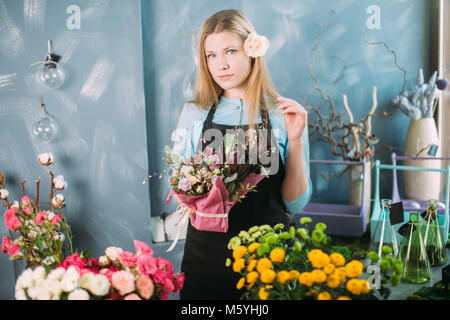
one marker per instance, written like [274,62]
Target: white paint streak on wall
[11,39]
[92,16]
[104,139]
[7,82]
[65,44]
[34,14]
[98,79]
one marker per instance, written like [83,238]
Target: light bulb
[51,75]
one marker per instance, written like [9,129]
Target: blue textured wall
[126,70]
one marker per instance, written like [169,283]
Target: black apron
[203,264]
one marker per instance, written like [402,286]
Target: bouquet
[298,264]
[211,188]
[41,232]
[118,275]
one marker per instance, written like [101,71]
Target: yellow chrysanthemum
[294,274]
[333,281]
[251,265]
[238,265]
[267,276]
[354,268]
[341,273]
[318,276]
[343,298]
[277,255]
[318,258]
[324,296]
[306,279]
[263,264]
[252,248]
[239,252]
[252,277]
[329,268]
[354,286]
[240,283]
[337,259]
[365,287]
[263,294]
[283,276]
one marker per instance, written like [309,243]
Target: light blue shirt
[231,111]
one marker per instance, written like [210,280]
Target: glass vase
[384,234]
[416,267]
[433,237]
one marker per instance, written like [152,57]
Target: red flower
[179,282]
[13,250]
[40,217]
[11,221]
[5,244]
[56,219]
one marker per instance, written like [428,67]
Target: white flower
[113,253]
[78,294]
[58,200]
[100,285]
[49,260]
[70,280]
[20,294]
[256,45]
[38,276]
[53,286]
[46,158]
[59,236]
[86,280]
[4,194]
[56,274]
[15,204]
[185,170]
[25,280]
[59,183]
[103,261]
[50,215]
[39,293]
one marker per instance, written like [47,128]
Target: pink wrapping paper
[215,202]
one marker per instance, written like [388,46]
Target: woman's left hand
[295,118]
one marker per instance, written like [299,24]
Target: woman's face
[227,62]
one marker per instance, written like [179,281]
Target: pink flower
[56,219]
[132,296]
[11,221]
[179,282]
[6,242]
[25,200]
[146,264]
[168,285]
[13,250]
[145,286]
[164,295]
[128,259]
[159,276]
[40,217]
[123,281]
[27,210]
[73,260]
[164,265]
[142,248]
[108,273]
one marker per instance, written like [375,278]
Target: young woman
[233,90]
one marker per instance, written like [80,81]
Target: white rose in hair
[256,45]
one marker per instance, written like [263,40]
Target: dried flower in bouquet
[42,233]
[295,264]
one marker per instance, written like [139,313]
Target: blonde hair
[260,93]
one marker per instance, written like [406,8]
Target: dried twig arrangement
[350,140]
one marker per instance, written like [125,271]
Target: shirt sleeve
[297,205]
[185,136]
